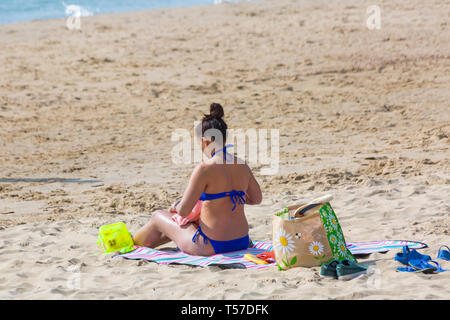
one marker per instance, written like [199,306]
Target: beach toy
[115,237]
[268,256]
[254,259]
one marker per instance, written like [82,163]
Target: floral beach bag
[308,235]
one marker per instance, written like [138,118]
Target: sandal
[408,255]
[426,266]
[444,254]
[407,269]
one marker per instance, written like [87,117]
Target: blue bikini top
[237,197]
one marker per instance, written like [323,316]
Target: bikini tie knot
[237,197]
[199,233]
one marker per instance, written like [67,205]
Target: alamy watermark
[257,147]
[74,13]
[73,281]
[374,278]
[374,19]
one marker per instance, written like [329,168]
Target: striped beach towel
[235,260]
[364,248]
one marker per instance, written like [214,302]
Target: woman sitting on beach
[224,186]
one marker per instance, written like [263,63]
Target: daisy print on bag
[328,228]
[284,242]
[316,248]
[285,245]
[332,222]
[324,213]
[333,239]
[342,249]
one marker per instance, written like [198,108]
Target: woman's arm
[196,186]
[254,195]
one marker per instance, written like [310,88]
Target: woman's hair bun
[214,120]
[216,111]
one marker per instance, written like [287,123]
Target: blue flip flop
[407,255]
[444,254]
[407,269]
[426,266]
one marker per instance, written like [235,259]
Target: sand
[86,119]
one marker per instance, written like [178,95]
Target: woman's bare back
[217,219]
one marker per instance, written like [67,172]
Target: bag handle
[301,210]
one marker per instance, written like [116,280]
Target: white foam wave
[74,10]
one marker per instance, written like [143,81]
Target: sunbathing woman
[224,186]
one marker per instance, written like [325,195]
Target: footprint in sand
[21,289]
[62,291]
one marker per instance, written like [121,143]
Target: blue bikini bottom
[223,246]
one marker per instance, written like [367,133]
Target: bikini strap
[224,150]
[237,197]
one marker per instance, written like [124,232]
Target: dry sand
[86,118]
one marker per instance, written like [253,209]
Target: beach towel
[235,260]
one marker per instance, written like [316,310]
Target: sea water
[26,10]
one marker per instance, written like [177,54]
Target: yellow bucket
[115,237]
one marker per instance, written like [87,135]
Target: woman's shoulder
[202,167]
[241,163]
[234,161]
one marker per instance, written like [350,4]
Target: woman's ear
[205,144]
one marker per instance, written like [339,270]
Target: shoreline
[88,14]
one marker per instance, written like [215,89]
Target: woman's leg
[148,235]
[161,224]
[162,240]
